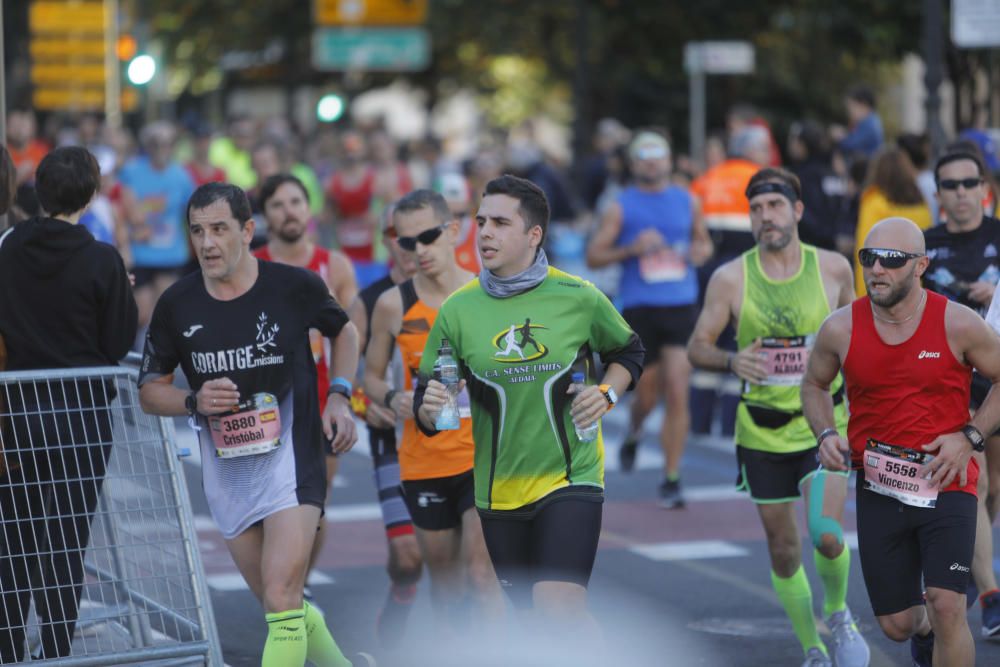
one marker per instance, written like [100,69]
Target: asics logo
[924,354]
[960,568]
[194,327]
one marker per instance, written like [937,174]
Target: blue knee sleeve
[820,525]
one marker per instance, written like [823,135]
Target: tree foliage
[808,51]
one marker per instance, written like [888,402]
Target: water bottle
[446,372]
[583,433]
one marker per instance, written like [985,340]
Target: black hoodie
[65,299]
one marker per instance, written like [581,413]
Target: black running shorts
[904,548]
[439,503]
[554,539]
[773,478]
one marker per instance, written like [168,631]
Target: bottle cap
[577,377]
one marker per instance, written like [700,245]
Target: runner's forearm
[710,357]
[344,353]
[817,406]
[165,400]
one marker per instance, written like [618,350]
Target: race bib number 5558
[893,471]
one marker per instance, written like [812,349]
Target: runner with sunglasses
[436,473]
[777,295]
[907,356]
[964,265]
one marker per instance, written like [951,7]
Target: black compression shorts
[440,502]
[554,539]
[904,548]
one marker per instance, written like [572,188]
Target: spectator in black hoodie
[65,302]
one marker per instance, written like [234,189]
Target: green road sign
[380,49]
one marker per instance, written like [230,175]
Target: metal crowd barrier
[139,596]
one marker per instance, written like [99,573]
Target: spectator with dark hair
[890,191]
[865,134]
[823,190]
[918,148]
[65,302]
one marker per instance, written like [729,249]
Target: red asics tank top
[906,394]
[319,263]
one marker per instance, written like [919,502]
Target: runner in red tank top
[907,356]
[285,204]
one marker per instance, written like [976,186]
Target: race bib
[892,471]
[662,266]
[252,427]
[785,359]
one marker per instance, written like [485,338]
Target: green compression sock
[796,598]
[323,650]
[286,639]
[834,573]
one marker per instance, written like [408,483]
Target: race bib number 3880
[893,471]
[252,427]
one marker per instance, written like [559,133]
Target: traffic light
[330,108]
[141,70]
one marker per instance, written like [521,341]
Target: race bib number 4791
[785,359]
[252,427]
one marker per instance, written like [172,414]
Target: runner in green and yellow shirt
[519,333]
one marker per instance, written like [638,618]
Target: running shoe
[363,660]
[991,614]
[816,658]
[670,494]
[391,622]
[626,454]
[849,647]
[922,650]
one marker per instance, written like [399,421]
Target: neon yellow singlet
[786,314]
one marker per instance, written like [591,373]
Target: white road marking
[696,550]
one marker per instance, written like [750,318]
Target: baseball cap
[453,187]
[648,146]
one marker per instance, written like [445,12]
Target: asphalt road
[670,587]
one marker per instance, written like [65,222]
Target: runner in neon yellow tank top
[785,315]
[777,294]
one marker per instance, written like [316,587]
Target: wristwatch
[191,404]
[341,386]
[974,437]
[610,395]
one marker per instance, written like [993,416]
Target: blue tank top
[669,281]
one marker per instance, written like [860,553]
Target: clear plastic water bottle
[584,433]
[446,372]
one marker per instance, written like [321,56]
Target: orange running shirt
[448,453]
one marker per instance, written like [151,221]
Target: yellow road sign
[79,99]
[76,16]
[67,49]
[369,12]
[68,75]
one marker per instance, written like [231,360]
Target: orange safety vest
[722,193]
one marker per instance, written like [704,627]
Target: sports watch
[610,395]
[974,437]
[191,404]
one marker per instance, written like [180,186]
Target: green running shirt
[786,314]
[517,356]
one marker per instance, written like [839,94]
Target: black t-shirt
[260,341]
[253,339]
[958,259]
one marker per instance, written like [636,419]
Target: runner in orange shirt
[436,472]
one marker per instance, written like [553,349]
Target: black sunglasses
[967,183]
[426,237]
[887,257]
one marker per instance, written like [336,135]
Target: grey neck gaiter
[501,288]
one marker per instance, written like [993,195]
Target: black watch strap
[975,437]
[191,404]
[339,389]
